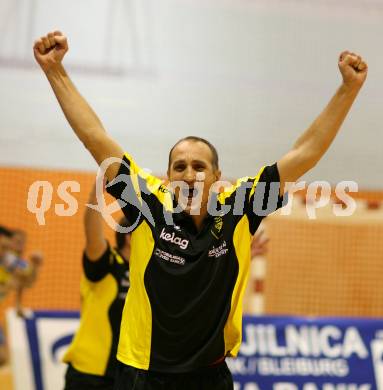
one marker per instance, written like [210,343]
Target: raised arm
[94,232]
[313,143]
[49,52]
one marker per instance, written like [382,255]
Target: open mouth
[189,193]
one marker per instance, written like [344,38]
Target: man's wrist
[54,70]
[350,88]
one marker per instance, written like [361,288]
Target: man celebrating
[190,247]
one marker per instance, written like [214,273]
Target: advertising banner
[277,353]
[288,353]
[37,344]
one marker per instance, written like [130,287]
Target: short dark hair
[120,237]
[5,232]
[194,138]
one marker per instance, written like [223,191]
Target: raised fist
[50,50]
[353,69]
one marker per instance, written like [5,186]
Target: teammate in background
[15,273]
[26,271]
[183,313]
[91,356]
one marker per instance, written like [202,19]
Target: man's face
[191,162]
[4,246]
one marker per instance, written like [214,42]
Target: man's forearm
[77,111]
[92,218]
[94,231]
[318,137]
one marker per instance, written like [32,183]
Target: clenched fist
[353,69]
[50,50]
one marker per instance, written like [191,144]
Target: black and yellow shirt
[5,277]
[183,310]
[104,286]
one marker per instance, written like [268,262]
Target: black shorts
[212,378]
[76,380]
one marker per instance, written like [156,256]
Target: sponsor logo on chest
[169,257]
[171,237]
[218,251]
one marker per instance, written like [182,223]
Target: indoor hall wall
[248,75]
[328,266]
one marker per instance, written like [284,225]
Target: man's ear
[217,174]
